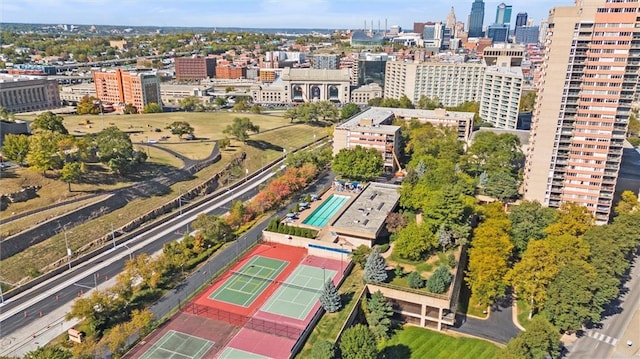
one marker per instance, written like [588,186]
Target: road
[26,308]
[598,343]
[498,327]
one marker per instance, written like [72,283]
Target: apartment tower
[580,120]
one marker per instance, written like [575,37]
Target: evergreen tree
[415,280]
[329,298]
[379,312]
[374,269]
[439,280]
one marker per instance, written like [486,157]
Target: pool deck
[323,232]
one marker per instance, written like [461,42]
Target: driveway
[498,327]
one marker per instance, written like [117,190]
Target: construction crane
[401,172]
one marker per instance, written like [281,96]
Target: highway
[27,307]
[598,343]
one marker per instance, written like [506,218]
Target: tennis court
[299,293]
[245,285]
[321,215]
[232,353]
[176,345]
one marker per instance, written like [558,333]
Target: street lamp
[113,236]
[180,199]
[341,254]
[127,247]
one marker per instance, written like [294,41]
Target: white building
[501,92]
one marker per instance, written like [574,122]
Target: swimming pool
[321,215]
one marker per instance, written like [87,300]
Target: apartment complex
[453,82]
[589,77]
[325,61]
[28,93]
[138,88]
[501,93]
[373,128]
[230,71]
[195,68]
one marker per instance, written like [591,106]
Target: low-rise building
[28,93]
[363,94]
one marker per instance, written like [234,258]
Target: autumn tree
[189,103]
[130,109]
[48,121]
[414,241]
[358,163]
[627,204]
[43,152]
[88,105]
[573,219]
[49,352]
[152,107]
[214,228]
[15,148]
[71,173]
[240,128]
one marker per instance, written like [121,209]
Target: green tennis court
[321,215]
[233,353]
[176,345]
[299,293]
[245,285]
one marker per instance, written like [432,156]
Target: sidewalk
[632,333]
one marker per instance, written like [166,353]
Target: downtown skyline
[319,14]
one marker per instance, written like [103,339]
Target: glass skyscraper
[503,14]
[476,18]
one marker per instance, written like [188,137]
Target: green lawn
[419,343]
[523,313]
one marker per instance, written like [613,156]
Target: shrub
[439,280]
[415,280]
[383,247]
[452,260]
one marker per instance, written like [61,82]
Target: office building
[450,79]
[195,68]
[476,19]
[505,54]
[589,78]
[138,88]
[28,93]
[228,71]
[527,35]
[503,14]
[451,19]
[325,61]
[521,19]
[498,32]
[432,35]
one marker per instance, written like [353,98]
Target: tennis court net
[273,280]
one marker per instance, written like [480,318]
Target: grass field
[523,313]
[414,342]
[261,149]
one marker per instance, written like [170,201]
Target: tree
[152,107]
[49,352]
[224,143]
[375,268]
[360,255]
[189,103]
[396,222]
[379,313]
[573,219]
[180,128]
[329,298]
[220,101]
[130,109]
[48,121]
[444,237]
[291,114]
[240,127]
[88,105]
[404,102]
[426,103]
[358,163]
[349,110]
[527,101]
[540,341]
[115,150]
[240,105]
[358,342]
[15,148]
[43,151]
[570,295]
[71,173]
[415,280]
[414,241]
[493,153]
[528,221]
[214,228]
[501,186]
[439,280]
[256,109]
[323,350]
[627,204]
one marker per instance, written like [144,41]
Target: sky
[321,14]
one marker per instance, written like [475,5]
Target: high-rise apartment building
[127,87]
[325,61]
[501,93]
[589,77]
[476,18]
[453,82]
[195,68]
[503,14]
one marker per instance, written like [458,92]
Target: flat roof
[366,215]
[377,114]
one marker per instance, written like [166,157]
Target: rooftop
[308,74]
[366,215]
